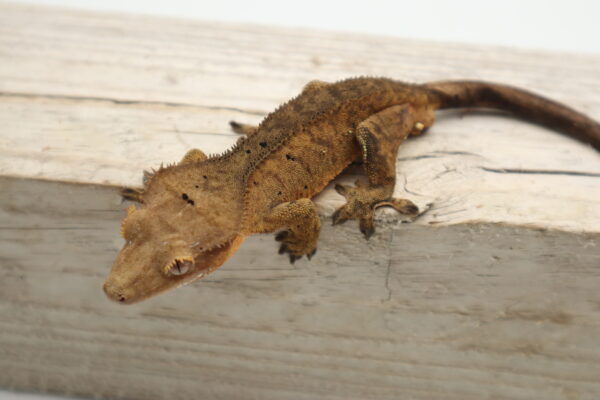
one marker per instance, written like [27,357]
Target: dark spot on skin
[305,187]
[196,186]
[290,157]
[256,183]
[187,198]
[263,144]
[279,193]
[205,177]
[248,151]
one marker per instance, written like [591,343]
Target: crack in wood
[389,269]
[438,154]
[128,102]
[539,172]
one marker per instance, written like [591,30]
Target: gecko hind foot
[243,129]
[362,201]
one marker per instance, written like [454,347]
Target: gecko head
[156,257]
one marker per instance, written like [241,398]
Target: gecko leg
[302,226]
[379,136]
[243,129]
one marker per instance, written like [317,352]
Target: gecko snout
[114,293]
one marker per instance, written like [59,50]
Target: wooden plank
[128,98]
[486,312]
[491,294]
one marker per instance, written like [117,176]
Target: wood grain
[491,294]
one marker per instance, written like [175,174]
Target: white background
[553,25]
[572,26]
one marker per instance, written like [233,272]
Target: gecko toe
[131,194]
[283,248]
[403,206]
[340,216]
[367,227]
[341,189]
[408,207]
[281,236]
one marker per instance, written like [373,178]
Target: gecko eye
[179,266]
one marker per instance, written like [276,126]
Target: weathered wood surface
[492,294]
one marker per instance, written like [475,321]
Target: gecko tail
[522,103]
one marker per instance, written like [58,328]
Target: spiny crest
[149,175]
[274,114]
[227,153]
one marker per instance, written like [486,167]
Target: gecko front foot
[295,246]
[132,194]
[302,225]
[362,200]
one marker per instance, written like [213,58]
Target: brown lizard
[195,214]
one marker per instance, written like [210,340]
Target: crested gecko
[193,216]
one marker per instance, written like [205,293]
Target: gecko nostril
[122,299]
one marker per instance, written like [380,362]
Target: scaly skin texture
[194,215]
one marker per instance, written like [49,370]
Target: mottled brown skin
[194,215]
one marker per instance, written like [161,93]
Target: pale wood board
[493,293]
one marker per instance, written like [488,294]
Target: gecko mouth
[179,266]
